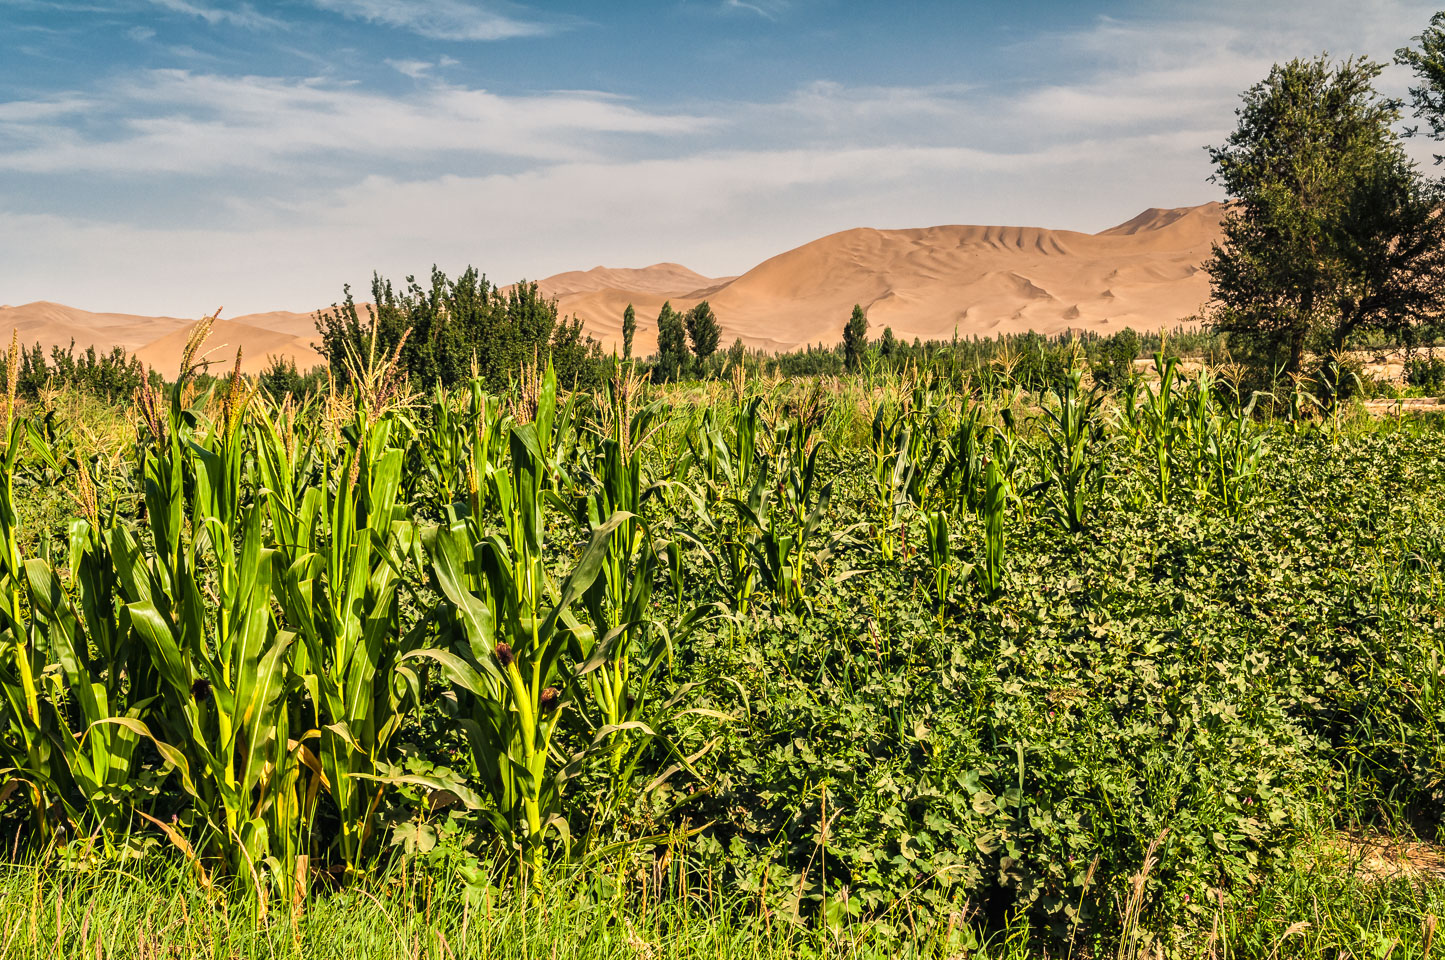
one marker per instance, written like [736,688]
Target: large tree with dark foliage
[1330,228]
[672,356]
[454,324]
[703,331]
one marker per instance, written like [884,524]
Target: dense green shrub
[1426,372]
[1111,360]
[449,328]
[110,376]
[810,361]
[282,379]
[1173,669]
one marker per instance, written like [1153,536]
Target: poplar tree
[629,330]
[887,344]
[855,338]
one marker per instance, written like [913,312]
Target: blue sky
[166,156]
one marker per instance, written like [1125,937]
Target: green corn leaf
[445,548]
[469,798]
[589,565]
[170,754]
[459,672]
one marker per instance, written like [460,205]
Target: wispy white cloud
[65,6]
[767,9]
[442,19]
[178,122]
[241,15]
[422,69]
[416,69]
[42,114]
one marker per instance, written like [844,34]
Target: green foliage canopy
[672,355]
[703,331]
[445,327]
[1428,62]
[1330,229]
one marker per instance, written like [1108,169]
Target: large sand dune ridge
[930,283]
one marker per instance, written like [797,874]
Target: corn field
[287,645]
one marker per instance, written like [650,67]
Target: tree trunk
[1299,331]
[1296,349]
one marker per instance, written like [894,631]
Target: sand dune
[661,278]
[257,344]
[158,341]
[928,283]
[56,325]
[302,325]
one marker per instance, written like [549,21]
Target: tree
[855,338]
[887,345]
[672,357]
[703,331]
[445,327]
[737,354]
[1113,365]
[1428,97]
[1330,229]
[629,330]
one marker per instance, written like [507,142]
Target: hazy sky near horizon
[170,156]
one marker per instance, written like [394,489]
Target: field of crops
[915,664]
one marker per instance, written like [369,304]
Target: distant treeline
[1035,361]
[466,324]
[111,376]
[516,327]
[116,375]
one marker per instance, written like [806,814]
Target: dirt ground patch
[1405,405]
[1378,858]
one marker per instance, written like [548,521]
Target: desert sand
[56,325]
[258,345]
[934,281]
[930,283]
[158,341]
